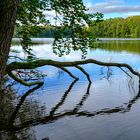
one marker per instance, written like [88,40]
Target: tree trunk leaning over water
[8,10]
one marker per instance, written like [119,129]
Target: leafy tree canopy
[69,14]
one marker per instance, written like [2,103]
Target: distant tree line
[44,31]
[113,27]
[117,27]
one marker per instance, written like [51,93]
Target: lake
[64,109]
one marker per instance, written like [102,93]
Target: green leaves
[31,12]
[69,22]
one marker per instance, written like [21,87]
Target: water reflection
[12,114]
[26,114]
[16,121]
[131,46]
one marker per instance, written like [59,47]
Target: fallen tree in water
[62,65]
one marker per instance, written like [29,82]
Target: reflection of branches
[108,73]
[7,130]
[131,85]
[61,102]
[80,104]
[22,101]
[53,117]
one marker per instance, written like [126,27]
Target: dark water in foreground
[63,109]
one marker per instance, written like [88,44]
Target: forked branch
[42,62]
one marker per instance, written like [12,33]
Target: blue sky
[114,8]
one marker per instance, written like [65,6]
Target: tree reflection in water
[12,114]
[16,122]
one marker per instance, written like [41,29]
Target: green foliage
[30,12]
[117,27]
[70,15]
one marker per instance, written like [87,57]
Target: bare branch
[67,71]
[21,81]
[43,62]
[126,72]
[82,70]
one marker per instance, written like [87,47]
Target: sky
[110,8]
[114,8]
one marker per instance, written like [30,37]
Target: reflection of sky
[45,51]
[55,77]
[104,93]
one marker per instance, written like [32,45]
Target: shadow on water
[17,121]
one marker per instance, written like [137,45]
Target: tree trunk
[8,9]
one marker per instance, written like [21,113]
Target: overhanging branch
[21,81]
[83,71]
[42,62]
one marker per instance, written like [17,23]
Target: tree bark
[8,10]
[42,62]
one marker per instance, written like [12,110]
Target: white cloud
[114,6]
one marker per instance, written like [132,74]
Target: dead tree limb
[67,71]
[42,62]
[83,71]
[21,81]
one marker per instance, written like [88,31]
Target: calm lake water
[64,109]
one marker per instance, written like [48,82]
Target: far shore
[119,39]
[51,39]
